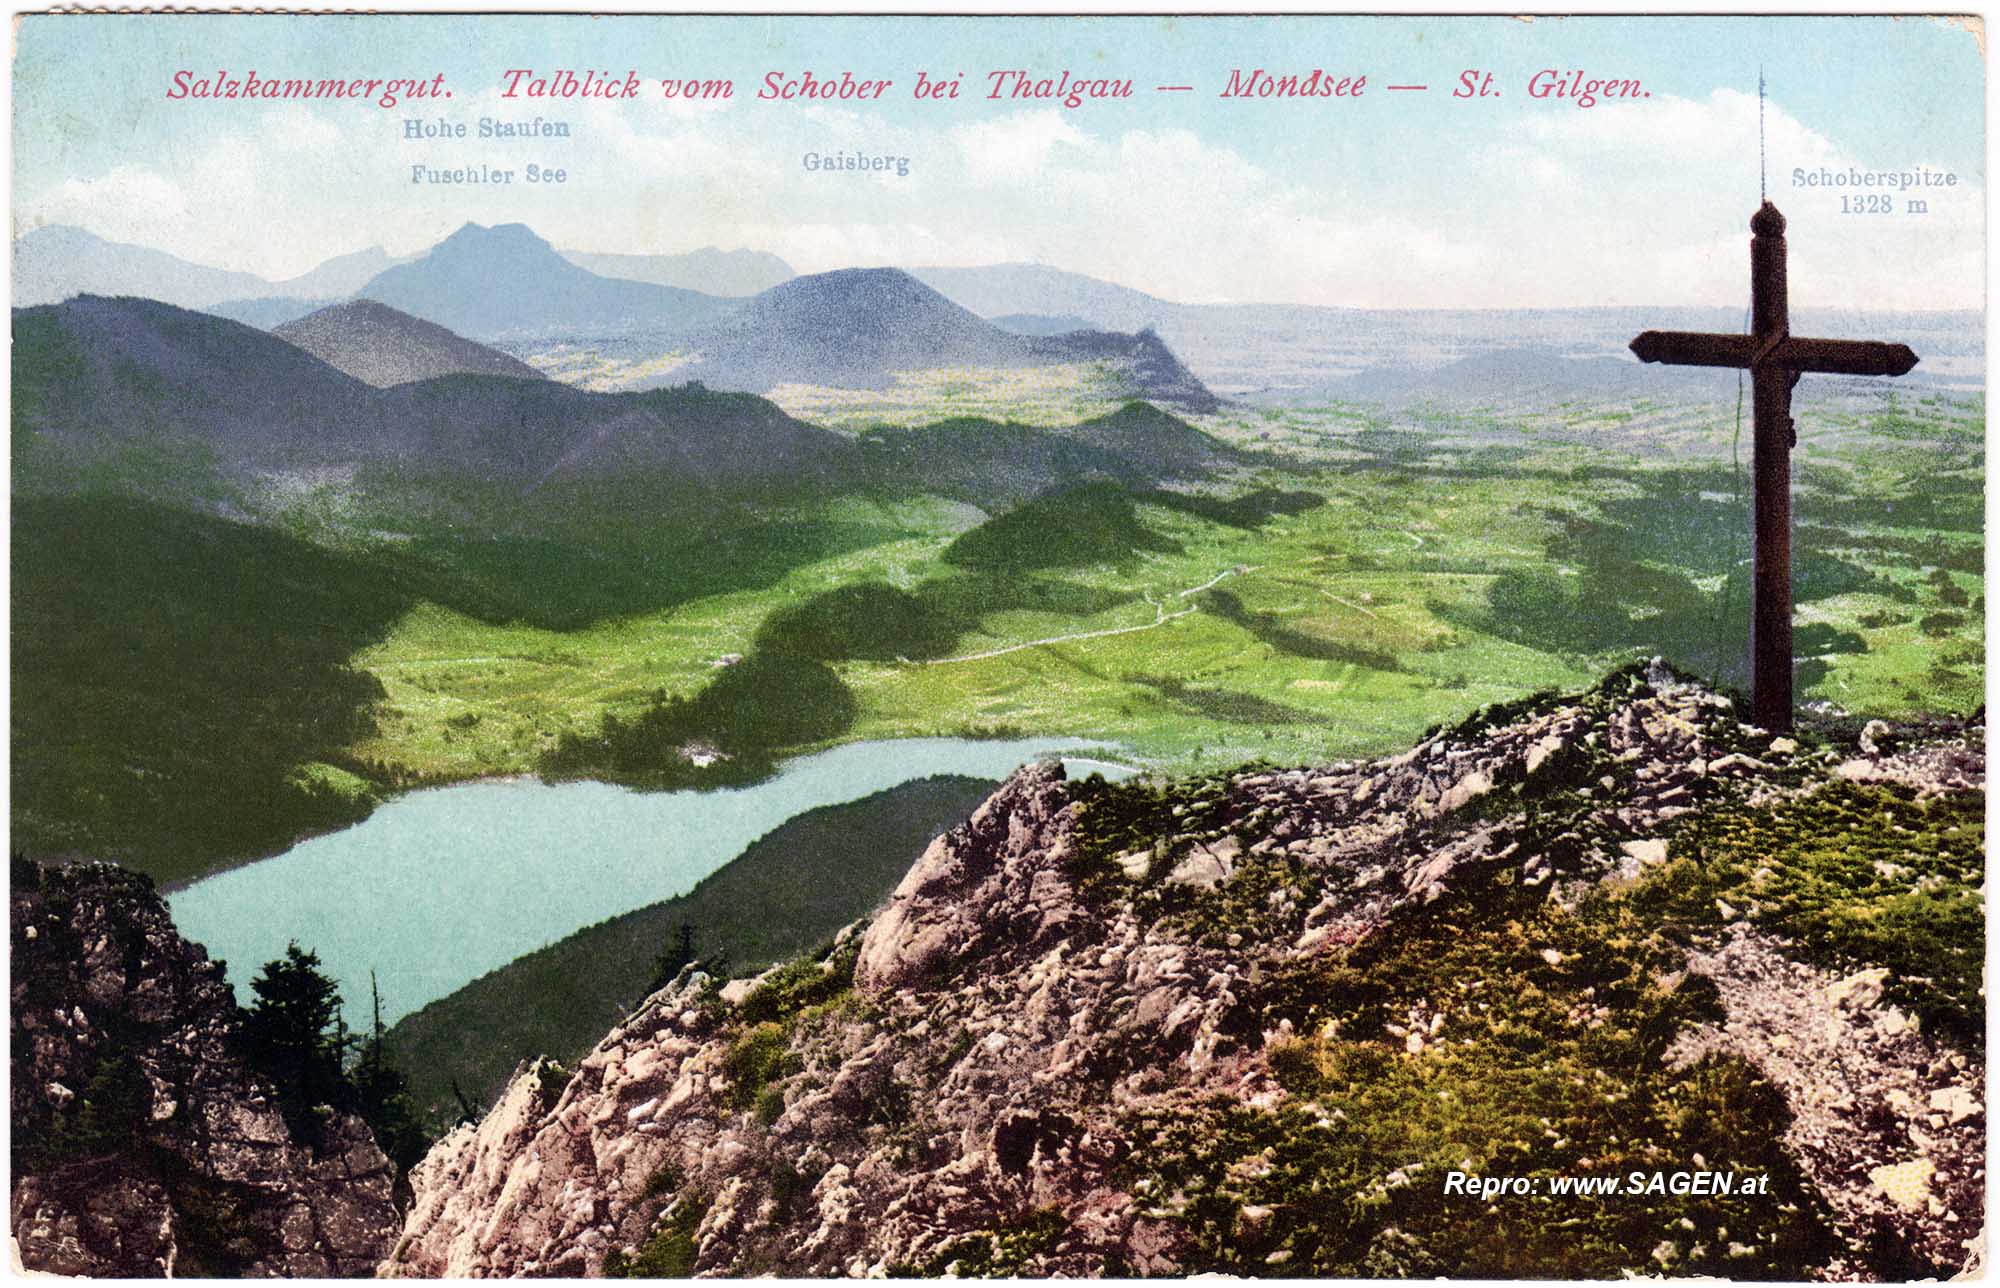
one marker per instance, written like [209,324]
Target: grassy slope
[788,890]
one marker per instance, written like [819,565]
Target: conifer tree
[383,1093]
[293,1033]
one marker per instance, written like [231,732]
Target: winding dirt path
[1161,619]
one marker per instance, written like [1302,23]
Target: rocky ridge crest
[1246,1023]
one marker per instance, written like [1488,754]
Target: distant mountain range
[708,270]
[508,287]
[55,262]
[381,346]
[124,392]
[96,379]
[1290,351]
[999,290]
[58,261]
[488,283]
[854,328]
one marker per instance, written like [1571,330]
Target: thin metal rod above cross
[1775,359]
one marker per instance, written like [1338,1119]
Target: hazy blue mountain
[850,328]
[57,261]
[996,290]
[382,346]
[341,276]
[1496,373]
[709,270]
[858,327]
[269,314]
[505,281]
[1041,323]
[1494,376]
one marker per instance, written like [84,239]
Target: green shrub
[667,1179]
[669,1253]
[1006,1251]
[758,1058]
[812,980]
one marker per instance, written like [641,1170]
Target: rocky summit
[142,1145]
[1362,1019]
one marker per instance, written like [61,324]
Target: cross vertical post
[1771,470]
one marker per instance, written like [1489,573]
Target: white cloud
[1667,220]
[1630,203]
[1015,148]
[124,203]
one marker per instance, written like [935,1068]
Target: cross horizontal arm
[1793,353]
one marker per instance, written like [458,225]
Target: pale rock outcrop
[1886,1121]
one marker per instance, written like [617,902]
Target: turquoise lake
[438,887]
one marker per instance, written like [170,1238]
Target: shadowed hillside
[786,892]
[380,346]
[106,389]
[181,685]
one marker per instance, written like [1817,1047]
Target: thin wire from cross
[1762,195]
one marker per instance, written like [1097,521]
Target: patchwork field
[1357,576]
[1418,577]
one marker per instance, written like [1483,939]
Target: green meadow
[1354,578]
[1417,581]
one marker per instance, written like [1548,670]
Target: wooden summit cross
[1774,358]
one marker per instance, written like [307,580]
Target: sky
[1395,199]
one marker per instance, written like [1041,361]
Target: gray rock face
[142,1145]
[966,1104]
[1890,1124]
[996,879]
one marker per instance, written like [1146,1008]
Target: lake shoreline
[440,884]
[388,796]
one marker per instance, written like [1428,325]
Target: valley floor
[1356,577]
[1421,575]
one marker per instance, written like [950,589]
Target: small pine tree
[469,1113]
[678,954]
[295,1036]
[383,1094]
